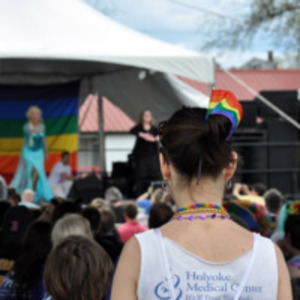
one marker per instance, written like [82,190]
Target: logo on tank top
[162,290]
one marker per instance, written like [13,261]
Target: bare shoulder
[284,281]
[131,248]
[127,272]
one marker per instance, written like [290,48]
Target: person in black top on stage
[145,151]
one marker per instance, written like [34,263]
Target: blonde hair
[70,225]
[98,203]
[33,109]
[157,196]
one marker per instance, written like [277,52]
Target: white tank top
[170,272]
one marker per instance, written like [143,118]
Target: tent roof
[115,120]
[71,30]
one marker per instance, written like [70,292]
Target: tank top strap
[166,262]
[250,267]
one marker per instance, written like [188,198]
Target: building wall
[118,146]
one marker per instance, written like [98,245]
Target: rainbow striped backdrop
[59,104]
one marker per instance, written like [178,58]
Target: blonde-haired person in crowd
[71,224]
[30,173]
[98,203]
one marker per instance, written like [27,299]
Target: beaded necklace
[201,205]
[212,211]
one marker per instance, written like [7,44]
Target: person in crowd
[71,224]
[146,149]
[291,247]
[109,232]
[28,198]
[147,199]
[31,172]
[25,281]
[4,207]
[159,195]
[114,196]
[178,260]
[94,217]
[84,190]
[292,243]
[274,201]
[16,221]
[13,197]
[64,208]
[98,203]
[3,189]
[47,213]
[84,271]
[160,214]
[131,226]
[61,178]
[254,194]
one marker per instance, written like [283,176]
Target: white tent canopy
[52,41]
[72,30]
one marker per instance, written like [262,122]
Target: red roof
[259,80]
[115,120]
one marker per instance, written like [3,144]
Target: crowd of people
[187,239]
[85,238]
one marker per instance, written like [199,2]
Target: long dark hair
[28,269]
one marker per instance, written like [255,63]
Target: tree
[279,20]
[107,7]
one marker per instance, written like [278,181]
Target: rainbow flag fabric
[59,104]
[225,103]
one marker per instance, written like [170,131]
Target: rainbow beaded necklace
[201,205]
[216,211]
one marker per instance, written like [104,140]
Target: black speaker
[250,109]
[282,155]
[250,145]
[120,169]
[285,100]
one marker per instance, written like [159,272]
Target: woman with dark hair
[146,149]
[78,268]
[25,279]
[201,253]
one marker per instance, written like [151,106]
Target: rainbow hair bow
[226,104]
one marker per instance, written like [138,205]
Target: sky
[186,23]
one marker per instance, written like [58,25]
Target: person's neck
[130,220]
[208,191]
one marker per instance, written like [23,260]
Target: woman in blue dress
[31,172]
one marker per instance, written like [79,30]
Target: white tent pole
[87,110]
[212,85]
[264,100]
[101,135]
